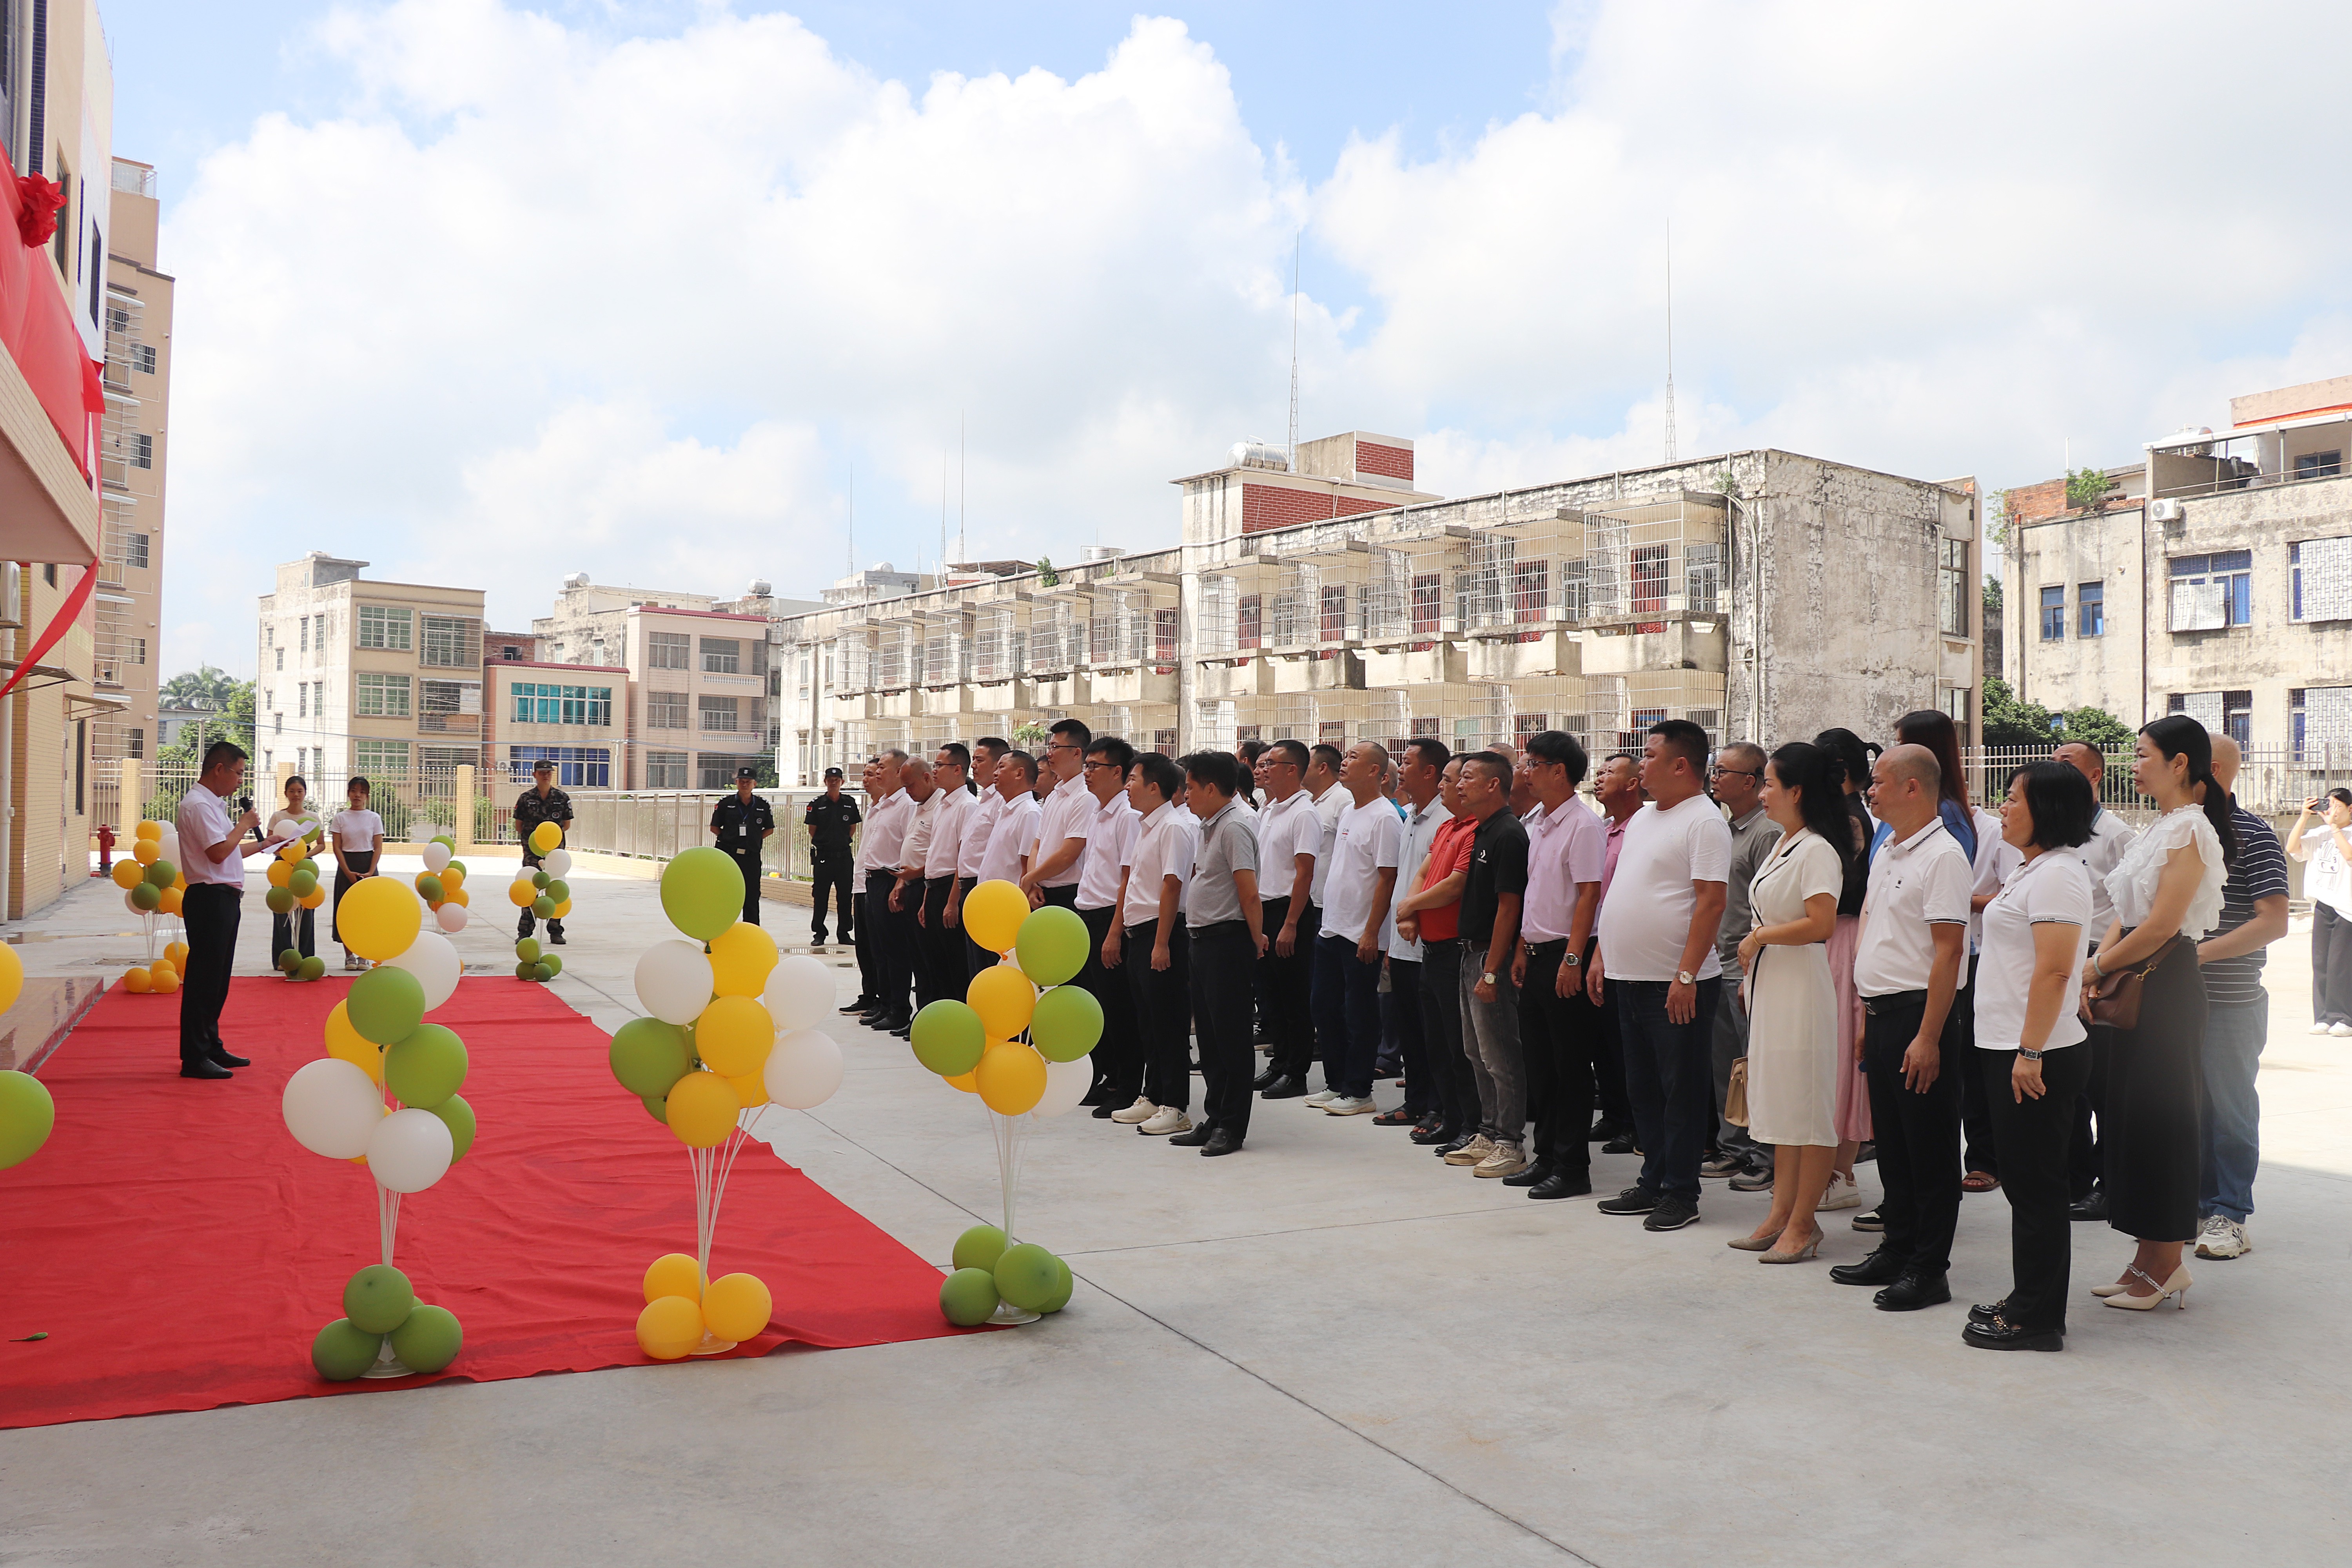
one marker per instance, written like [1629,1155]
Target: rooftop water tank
[1260,455]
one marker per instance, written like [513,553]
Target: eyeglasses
[1061,745]
[1093,766]
[1719,771]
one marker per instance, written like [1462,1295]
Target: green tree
[1047,576]
[204,687]
[2086,487]
[2099,728]
[2008,723]
[234,723]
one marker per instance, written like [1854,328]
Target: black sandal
[1400,1117]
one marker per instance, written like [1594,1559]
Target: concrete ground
[1329,1348]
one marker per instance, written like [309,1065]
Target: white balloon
[132,904]
[674,981]
[805,1069]
[451,917]
[332,1107]
[435,963]
[409,1150]
[800,991]
[436,857]
[1066,1084]
[558,864]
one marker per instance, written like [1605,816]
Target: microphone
[244,805]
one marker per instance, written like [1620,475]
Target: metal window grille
[669,650]
[722,656]
[453,642]
[382,626]
[718,712]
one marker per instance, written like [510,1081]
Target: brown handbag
[2115,999]
[1735,1098]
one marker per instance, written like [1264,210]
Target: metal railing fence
[2273,781]
[656,824]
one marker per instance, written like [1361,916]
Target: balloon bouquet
[152,886]
[378,1040]
[295,882]
[542,891]
[26,1112]
[706,1063]
[1023,1051]
[442,884]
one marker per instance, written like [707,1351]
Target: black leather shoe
[1266,1080]
[1913,1292]
[1986,1314]
[1432,1132]
[899,1024]
[1220,1142]
[1529,1177]
[1881,1268]
[1604,1131]
[1459,1141]
[225,1059]
[204,1067]
[1999,1336]
[1562,1185]
[1284,1088]
[1198,1136]
[859,1005]
[2093,1208]
[1620,1144]
[1102,1112]
[1632,1201]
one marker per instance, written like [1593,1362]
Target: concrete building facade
[134,448]
[573,715]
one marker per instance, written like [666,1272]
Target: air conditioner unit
[2167,511]
[12,593]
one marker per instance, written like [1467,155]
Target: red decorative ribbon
[67,613]
[37,216]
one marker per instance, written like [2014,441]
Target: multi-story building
[137,379]
[383,679]
[2212,577]
[1762,595]
[573,715]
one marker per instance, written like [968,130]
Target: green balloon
[1060,1298]
[1066,1024]
[1052,945]
[543,906]
[552,962]
[146,895]
[559,891]
[27,1114]
[279,900]
[385,1005]
[528,950]
[648,1056]
[302,884]
[306,864]
[967,1297]
[162,873]
[525,971]
[379,1298]
[459,1116]
[539,879]
[313,968]
[656,1106]
[290,960]
[702,892]
[425,1066]
[430,1339]
[978,1247]
[341,1352]
[948,1038]
[1026,1276]
[459,867]
[430,890]
[541,973]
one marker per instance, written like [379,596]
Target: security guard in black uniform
[743,822]
[831,819]
[543,801]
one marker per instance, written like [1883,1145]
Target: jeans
[1668,1080]
[1918,1134]
[1441,1000]
[209,910]
[1348,1015]
[1402,1007]
[1556,1033]
[1162,1003]
[2331,965]
[1490,1037]
[2234,1110]
[1222,1003]
[1289,992]
[2032,1138]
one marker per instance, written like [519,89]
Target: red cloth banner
[37,329]
[67,613]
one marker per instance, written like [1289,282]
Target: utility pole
[1296,244]
[1670,341]
[853,520]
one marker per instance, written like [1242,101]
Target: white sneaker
[1473,1152]
[2222,1237]
[2318,1028]
[1505,1161]
[1167,1119]
[2340,1030]
[1352,1105]
[1840,1194]
[1319,1099]
[1140,1111]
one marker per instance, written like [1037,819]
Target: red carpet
[180,1249]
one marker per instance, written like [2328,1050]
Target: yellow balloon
[163,977]
[344,1044]
[1004,997]
[138,981]
[520,894]
[561,910]
[965,1081]
[126,875]
[177,952]
[737,1307]
[702,1107]
[734,1035]
[316,897]
[992,914]
[751,1088]
[12,976]
[281,872]
[670,1327]
[173,898]
[672,1274]
[740,958]
[1012,1078]
[457,897]
[291,850]
[146,851]
[546,839]
[149,830]
[378,918]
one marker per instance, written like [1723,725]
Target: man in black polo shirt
[831,819]
[1491,893]
[743,822]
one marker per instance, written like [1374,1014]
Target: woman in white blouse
[2321,839]
[356,836]
[297,927]
[2167,887]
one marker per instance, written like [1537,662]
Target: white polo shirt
[1068,813]
[916,847]
[1327,807]
[1008,839]
[1646,925]
[1915,883]
[1285,830]
[1419,827]
[1366,840]
[1109,837]
[978,823]
[202,821]
[886,833]
[955,807]
[2051,886]
[1996,859]
[1163,846]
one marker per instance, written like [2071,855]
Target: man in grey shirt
[1222,922]
[1737,779]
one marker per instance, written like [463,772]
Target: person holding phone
[2321,839]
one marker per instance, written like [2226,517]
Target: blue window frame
[540,702]
[576,767]
[2053,614]
[2229,572]
[2090,620]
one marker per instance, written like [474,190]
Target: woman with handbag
[1792,1040]
[2029,1045]
[2167,893]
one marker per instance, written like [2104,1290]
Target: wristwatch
[2029,1055]
[1684,977]
[1571,960]
[1487,978]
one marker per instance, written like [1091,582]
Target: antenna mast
[963,549]
[853,520]
[1296,242]
[1670,341]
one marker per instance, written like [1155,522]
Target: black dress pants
[832,878]
[1290,990]
[1118,1054]
[1162,1001]
[1555,1034]
[209,910]
[1402,1009]
[1607,1056]
[1440,1012]
[1977,1150]
[748,862]
[886,930]
[2085,1158]
[942,945]
[1918,1135]
[2032,1138]
[869,978]
[1220,978]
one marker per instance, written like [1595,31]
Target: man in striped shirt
[2237,1020]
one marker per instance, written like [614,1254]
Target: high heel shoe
[1753,1243]
[2176,1285]
[1803,1253]
[2114,1288]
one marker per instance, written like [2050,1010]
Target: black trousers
[2032,1138]
[1440,1012]
[1061,898]
[1555,1032]
[898,939]
[1401,1008]
[942,945]
[1220,978]
[1977,1150]
[2331,964]
[1918,1135]
[1290,989]
[2085,1156]
[748,862]
[1607,1055]
[833,877]
[209,910]
[1118,1054]
[869,978]
[1162,1002]
[283,933]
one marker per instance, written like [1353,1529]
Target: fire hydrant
[105,846]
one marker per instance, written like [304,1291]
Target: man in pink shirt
[1567,853]
[1617,791]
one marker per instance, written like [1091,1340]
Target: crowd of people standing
[1740,964]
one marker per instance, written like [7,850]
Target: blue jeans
[1669,1077]
[1347,1016]
[2233,1112]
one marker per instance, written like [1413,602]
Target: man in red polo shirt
[1431,913]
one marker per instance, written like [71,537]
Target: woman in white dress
[2167,886]
[2319,840]
[295,929]
[1792,1036]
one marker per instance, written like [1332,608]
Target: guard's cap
[746,773]
[832,772]
[542,766]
